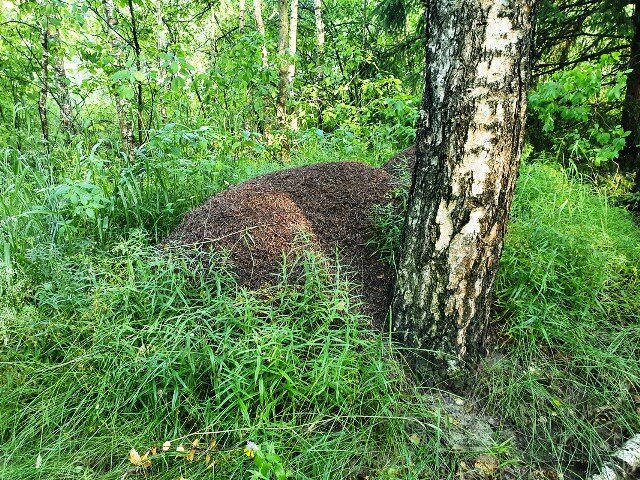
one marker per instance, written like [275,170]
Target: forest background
[118,117]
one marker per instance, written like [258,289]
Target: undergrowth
[135,348]
[110,348]
[569,313]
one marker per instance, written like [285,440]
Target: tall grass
[108,344]
[568,297]
[136,347]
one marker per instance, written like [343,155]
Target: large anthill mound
[329,205]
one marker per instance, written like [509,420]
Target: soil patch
[329,205]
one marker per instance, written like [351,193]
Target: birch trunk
[243,10]
[317,12]
[64,99]
[161,45]
[122,110]
[257,12]
[469,140]
[291,70]
[137,51]
[283,34]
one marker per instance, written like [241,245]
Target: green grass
[568,304]
[134,348]
[107,344]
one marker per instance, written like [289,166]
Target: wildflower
[250,449]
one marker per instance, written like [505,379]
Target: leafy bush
[576,112]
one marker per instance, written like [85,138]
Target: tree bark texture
[293,48]
[469,140]
[138,52]
[242,14]
[630,155]
[63,97]
[317,12]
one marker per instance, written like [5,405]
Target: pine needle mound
[328,206]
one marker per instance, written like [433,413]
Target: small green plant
[268,464]
[387,223]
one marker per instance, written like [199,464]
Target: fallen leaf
[166,446]
[134,457]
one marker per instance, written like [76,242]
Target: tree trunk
[137,51]
[122,110]
[161,45]
[61,83]
[257,11]
[243,9]
[317,11]
[291,70]
[469,140]
[64,99]
[283,35]
[630,155]
[44,83]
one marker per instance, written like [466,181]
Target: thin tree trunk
[44,83]
[161,45]
[61,95]
[243,10]
[317,11]
[137,52]
[257,11]
[469,140]
[213,32]
[291,70]
[283,35]
[122,110]
[64,99]
[630,155]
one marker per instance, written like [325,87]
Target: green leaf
[125,91]
[121,75]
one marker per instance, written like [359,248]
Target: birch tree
[45,34]
[291,70]
[118,46]
[317,12]
[283,36]
[469,140]
[257,12]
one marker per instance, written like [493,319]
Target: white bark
[243,9]
[317,11]
[257,11]
[469,141]
[291,70]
